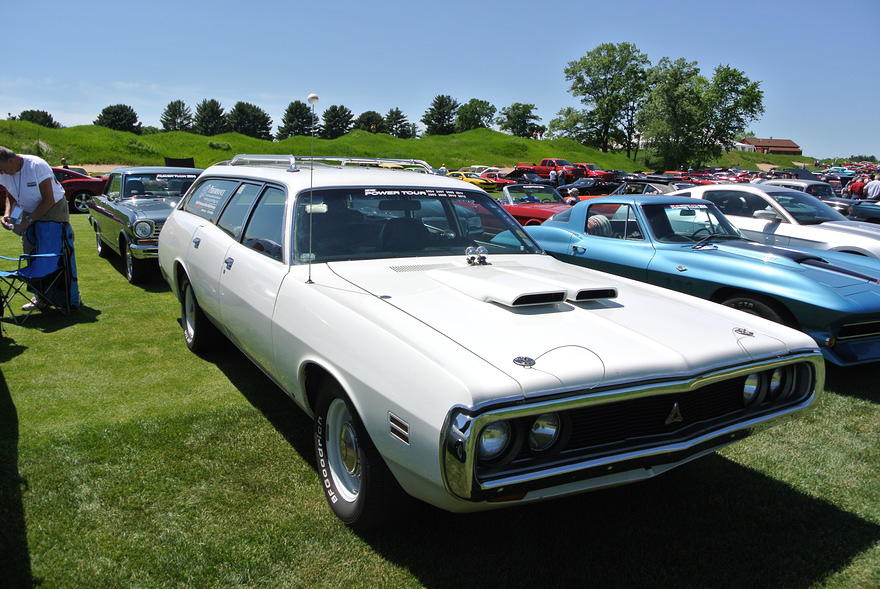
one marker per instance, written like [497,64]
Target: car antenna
[313,100]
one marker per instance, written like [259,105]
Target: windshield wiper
[713,236]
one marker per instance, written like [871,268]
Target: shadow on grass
[859,382]
[712,523]
[264,395]
[53,320]
[152,281]
[15,561]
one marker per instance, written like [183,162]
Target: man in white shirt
[35,208]
[872,188]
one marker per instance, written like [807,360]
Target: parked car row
[445,356]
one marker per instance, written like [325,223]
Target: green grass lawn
[127,461]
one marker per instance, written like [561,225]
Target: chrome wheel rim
[189,310]
[342,451]
[129,263]
[81,202]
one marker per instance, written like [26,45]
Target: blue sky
[73,59]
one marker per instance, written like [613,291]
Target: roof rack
[262,159]
[291,161]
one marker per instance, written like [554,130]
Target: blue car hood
[831,269]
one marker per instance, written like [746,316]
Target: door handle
[196,242]
[228,262]
[578,249]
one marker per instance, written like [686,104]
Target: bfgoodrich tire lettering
[357,484]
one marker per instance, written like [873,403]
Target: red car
[498,178]
[532,204]
[594,171]
[79,188]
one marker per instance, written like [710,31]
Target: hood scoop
[517,288]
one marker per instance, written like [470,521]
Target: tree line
[684,117]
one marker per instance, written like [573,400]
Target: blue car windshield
[372,223]
[688,223]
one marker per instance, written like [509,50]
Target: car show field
[130,461]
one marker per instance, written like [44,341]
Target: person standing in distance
[872,188]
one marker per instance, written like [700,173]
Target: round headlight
[143,229]
[751,388]
[493,440]
[544,432]
[776,384]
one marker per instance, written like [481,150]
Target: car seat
[403,234]
[599,225]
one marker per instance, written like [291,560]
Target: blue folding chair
[48,275]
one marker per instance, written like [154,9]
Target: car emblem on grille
[744,331]
[524,361]
[674,415]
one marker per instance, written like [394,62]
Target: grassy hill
[89,144]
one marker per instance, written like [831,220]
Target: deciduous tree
[474,114]
[610,81]
[210,118]
[370,121]
[39,117]
[439,119]
[251,120]
[337,121]
[119,117]
[520,119]
[176,117]
[298,119]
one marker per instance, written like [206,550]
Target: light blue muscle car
[689,246]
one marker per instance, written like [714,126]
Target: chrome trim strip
[458,445]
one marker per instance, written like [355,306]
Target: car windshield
[820,190]
[157,185]
[518,195]
[688,223]
[373,223]
[806,209]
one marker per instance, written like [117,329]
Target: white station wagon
[775,215]
[443,359]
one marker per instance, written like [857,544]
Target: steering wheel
[698,231]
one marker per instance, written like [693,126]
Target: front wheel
[357,484]
[756,305]
[136,271]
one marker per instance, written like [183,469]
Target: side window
[613,220]
[684,194]
[114,185]
[737,203]
[207,199]
[233,217]
[265,230]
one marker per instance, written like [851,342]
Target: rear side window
[233,216]
[114,185]
[207,200]
[265,230]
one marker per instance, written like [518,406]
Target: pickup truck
[569,171]
[594,171]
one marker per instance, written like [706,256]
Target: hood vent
[541,298]
[592,294]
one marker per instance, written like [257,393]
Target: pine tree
[249,119]
[209,119]
[337,122]
[176,117]
[298,119]
[396,124]
[440,116]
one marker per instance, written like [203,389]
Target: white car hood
[644,333]
[852,228]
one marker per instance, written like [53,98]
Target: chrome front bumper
[458,449]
